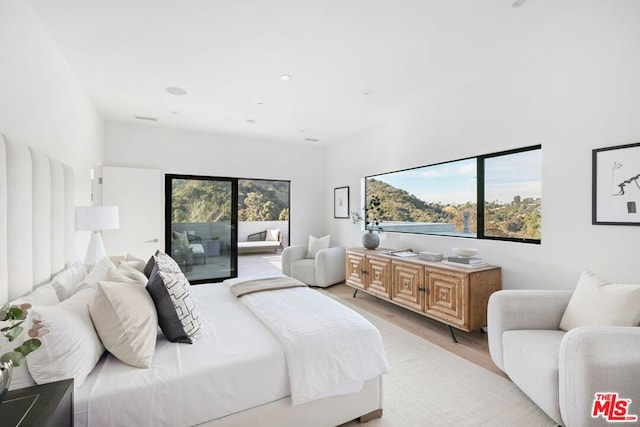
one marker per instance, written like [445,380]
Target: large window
[493,196]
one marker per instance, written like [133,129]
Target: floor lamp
[96,219]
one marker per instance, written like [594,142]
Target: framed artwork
[616,185]
[341,202]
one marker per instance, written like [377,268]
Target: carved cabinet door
[408,285]
[446,296]
[378,280]
[355,269]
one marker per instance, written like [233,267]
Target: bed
[237,373]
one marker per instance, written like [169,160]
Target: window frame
[480,195]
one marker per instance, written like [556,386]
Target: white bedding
[330,349]
[235,365]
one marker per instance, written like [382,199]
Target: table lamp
[96,219]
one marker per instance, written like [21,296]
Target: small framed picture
[341,202]
[616,185]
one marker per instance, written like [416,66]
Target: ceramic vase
[370,240]
[6,370]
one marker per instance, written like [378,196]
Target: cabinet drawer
[446,296]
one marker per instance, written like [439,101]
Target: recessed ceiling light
[311,140]
[175,113]
[367,93]
[250,121]
[260,103]
[285,77]
[151,119]
[174,90]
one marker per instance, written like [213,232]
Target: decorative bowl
[464,252]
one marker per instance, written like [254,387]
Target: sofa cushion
[273,235]
[598,303]
[317,244]
[531,361]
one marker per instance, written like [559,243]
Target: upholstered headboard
[36,218]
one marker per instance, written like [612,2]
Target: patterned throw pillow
[178,313]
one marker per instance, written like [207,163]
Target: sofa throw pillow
[125,319]
[316,244]
[273,235]
[178,313]
[598,303]
[72,347]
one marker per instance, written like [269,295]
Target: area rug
[429,386]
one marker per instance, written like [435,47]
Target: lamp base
[95,251]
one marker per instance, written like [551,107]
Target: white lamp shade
[97,218]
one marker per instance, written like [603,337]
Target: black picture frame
[616,185]
[341,202]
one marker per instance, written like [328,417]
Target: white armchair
[326,269]
[562,371]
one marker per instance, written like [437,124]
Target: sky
[455,182]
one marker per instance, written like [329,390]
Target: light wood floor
[471,345]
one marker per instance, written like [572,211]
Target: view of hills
[210,201]
[518,219]
[260,200]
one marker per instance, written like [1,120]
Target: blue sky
[455,182]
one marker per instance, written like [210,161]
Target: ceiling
[353,63]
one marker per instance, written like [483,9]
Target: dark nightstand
[47,405]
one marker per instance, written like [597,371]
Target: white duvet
[330,349]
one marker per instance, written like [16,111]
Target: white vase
[370,240]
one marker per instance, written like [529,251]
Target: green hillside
[210,201]
[520,218]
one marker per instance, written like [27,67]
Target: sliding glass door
[201,219]
[207,217]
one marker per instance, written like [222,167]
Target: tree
[257,208]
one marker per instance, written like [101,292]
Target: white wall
[194,153]
[580,97]
[42,104]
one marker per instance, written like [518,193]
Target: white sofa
[326,269]
[562,371]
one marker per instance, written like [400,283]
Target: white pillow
[98,272]
[598,303]
[42,295]
[273,235]
[72,347]
[66,282]
[134,262]
[316,244]
[126,273]
[126,321]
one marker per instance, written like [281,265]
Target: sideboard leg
[453,335]
[355,292]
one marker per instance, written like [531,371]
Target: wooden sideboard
[456,296]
